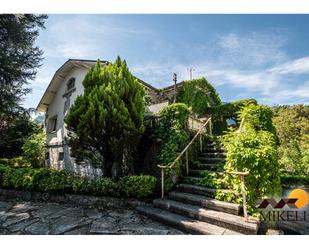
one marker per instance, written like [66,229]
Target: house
[61,92]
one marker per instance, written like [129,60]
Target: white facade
[61,93]
[59,155]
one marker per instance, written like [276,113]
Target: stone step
[199,173]
[194,189]
[184,223]
[207,166]
[213,150]
[229,221]
[195,172]
[205,181]
[210,160]
[194,180]
[206,202]
[213,154]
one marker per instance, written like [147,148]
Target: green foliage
[13,134]
[290,180]
[105,186]
[207,179]
[228,196]
[292,125]
[34,149]
[139,186]
[254,150]
[198,94]
[49,180]
[19,59]
[230,110]
[16,162]
[258,117]
[172,130]
[106,122]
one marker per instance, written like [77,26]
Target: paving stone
[79,231]
[46,210]
[19,227]
[38,228]
[66,224]
[69,212]
[4,215]
[4,206]
[142,230]
[105,225]
[93,213]
[16,219]
[23,207]
[4,231]
[41,218]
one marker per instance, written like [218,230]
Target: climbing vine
[198,94]
[254,150]
[172,131]
[226,111]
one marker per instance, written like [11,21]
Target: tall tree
[106,122]
[19,58]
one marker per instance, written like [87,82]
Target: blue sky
[244,56]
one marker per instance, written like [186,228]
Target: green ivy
[230,110]
[254,150]
[172,131]
[198,94]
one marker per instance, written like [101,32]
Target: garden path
[51,218]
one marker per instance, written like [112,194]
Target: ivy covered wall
[172,130]
[198,94]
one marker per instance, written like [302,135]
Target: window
[47,156]
[71,84]
[66,105]
[61,156]
[52,124]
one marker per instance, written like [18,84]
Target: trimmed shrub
[139,186]
[290,180]
[49,180]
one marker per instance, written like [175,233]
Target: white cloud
[298,66]
[86,36]
[269,83]
[252,49]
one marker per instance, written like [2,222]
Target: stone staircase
[192,208]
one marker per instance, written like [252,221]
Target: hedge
[288,180]
[49,180]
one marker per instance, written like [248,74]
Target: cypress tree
[105,123]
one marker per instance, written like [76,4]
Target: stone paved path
[51,218]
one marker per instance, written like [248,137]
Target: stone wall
[100,202]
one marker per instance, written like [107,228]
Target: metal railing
[184,152]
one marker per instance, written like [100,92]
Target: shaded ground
[51,218]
